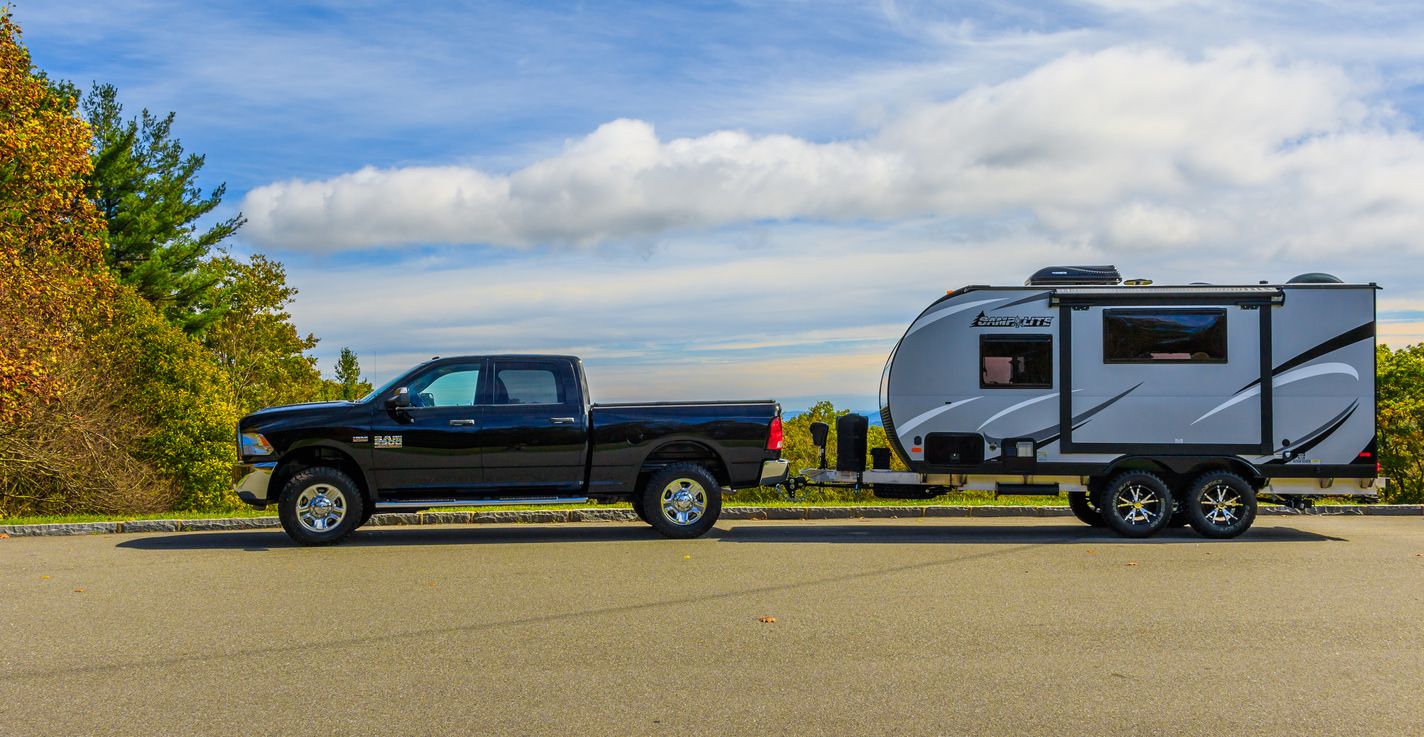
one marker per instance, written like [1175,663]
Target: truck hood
[292,409]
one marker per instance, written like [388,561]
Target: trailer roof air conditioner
[1058,275]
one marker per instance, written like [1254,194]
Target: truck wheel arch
[683,451]
[320,455]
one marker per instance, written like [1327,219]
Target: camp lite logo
[1011,321]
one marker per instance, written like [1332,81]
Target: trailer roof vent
[1315,277]
[1057,275]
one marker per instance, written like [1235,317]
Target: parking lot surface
[971,626]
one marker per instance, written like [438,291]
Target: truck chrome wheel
[320,507]
[680,501]
[683,501]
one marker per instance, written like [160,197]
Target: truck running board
[428,503]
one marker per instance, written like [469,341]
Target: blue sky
[754,199]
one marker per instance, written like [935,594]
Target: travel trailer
[1149,405]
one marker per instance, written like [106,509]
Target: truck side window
[446,386]
[527,384]
[1016,361]
[1164,336]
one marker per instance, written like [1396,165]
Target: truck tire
[320,506]
[1084,510]
[638,509]
[682,500]
[1136,504]
[1220,504]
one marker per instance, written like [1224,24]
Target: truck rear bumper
[252,481]
[774,472]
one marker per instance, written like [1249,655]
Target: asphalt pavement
[965,626]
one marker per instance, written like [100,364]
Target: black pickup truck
[517,429]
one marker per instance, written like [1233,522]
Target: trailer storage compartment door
[1164,373]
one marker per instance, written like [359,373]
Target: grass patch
[748,498]
[44,519]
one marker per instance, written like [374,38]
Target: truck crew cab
[510,429]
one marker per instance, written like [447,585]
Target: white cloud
[1128,148]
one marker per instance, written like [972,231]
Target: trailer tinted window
[1022,361]
[1164,336]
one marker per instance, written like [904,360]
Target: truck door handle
[562,420]
[460,423]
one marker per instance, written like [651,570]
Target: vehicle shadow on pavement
[980,534]
[261,540]
[740,532]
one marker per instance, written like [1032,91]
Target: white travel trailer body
[1065,383]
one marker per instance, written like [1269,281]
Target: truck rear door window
[526,385]
[1016,361]
[1164,336]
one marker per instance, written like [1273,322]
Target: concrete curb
[545,516]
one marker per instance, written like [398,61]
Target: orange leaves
[767,620]
[51,236]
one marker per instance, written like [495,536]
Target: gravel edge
[543,516]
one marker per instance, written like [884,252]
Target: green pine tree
[348,375]
[146,188]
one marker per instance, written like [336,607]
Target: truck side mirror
[400,400]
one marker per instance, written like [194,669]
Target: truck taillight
[773,439]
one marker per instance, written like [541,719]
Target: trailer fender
[1187,466]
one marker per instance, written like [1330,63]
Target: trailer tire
[320,505]
[682,500]
[1136,504]
[1220,505]
[1083,509]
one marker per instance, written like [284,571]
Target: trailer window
[1017,361]
[1164,336]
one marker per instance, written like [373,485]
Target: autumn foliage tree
[1400,407]
[254,341]
[51,236]
[104,405]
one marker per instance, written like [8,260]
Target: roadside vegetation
[132,339]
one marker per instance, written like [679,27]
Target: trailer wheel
[1220,505]
[320,506]
[1136,504]
[682,500]
[1083,509]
